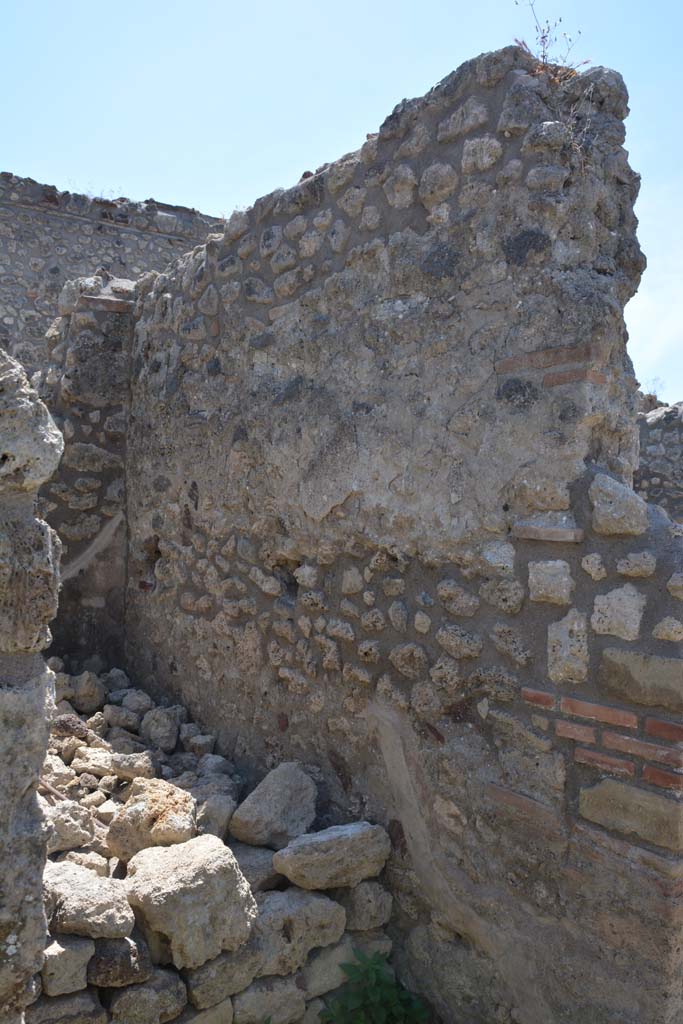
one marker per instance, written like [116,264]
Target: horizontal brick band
[575,731]
[552,380]
[543,358]
[598,713]
[539,698]
[664,730]
[667,780]
[614,765]
[639,748]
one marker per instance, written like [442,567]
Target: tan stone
[619,612]
[340,855]
[551,582]
[641,678]
[568,648]
[616,508]
[278,999]
[621,807]
[155,814]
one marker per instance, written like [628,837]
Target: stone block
[279,999]
[568,648]
[551,582]
[191,901]
[280,808]
[78,1008]
[155,814]
[337,856]
[617,510]
[649,816]
[640,678]
[64,968]
[619,612]
[79,902]
[119,962]
[159,999]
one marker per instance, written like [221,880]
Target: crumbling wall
[86,388]
[378,464]
[659,476]
[48,237]
[30,448]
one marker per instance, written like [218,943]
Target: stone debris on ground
[172,893]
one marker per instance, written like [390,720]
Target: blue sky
[211,104]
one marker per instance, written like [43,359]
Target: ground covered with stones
[172,893]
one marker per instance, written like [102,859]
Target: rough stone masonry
[373,448]
[48,237]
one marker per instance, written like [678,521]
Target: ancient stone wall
[87,388]
[378,467]
[659,476]
[48,237]
[30,448]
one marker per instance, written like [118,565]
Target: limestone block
[638,564]
[292,923]
[192,901]
[410,660]
[367,905]
[458,642]
[88,859]
[568,648]
[619,612]
[675,586]
[551,582]
[29,561]
[104,762]
[31,443]
[669,629]
[280,808]
[616,508]
[160,728]
[78,1008]
[621,807]
[480,154]
[323,973]
[337,856]
[594,566]
[256,864]
[279,999]
[642,678]
[224,976]
[119,962]
[87,694]
[119,717]
[137,701]
[161,998]
[68,826]
[64,968]
[455,599]
[155,814]
[219,1014]
[472,114]
[313,1013]
[79,902]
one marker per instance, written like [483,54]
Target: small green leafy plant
[373,996]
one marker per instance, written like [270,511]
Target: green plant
[373,996]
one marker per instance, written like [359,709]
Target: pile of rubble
[170,897]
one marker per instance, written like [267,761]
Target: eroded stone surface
[340,855]
[191,899]
[280,808]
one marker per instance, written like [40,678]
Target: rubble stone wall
[86,387]
[30,448]
[379,456]
[659,476]
[49,237]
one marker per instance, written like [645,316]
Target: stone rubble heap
[168,895]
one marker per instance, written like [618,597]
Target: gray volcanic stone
[341,855]
[160,728]
[191,900]
[119,962]
[162,998]
[280,808]
[79,1008]
[79,902]
[256,864]
[279,999]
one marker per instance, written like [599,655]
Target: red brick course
[575,731]
[664,730]
[639,748]
[539,698]
[613,765]
[599,713]
[658,777]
